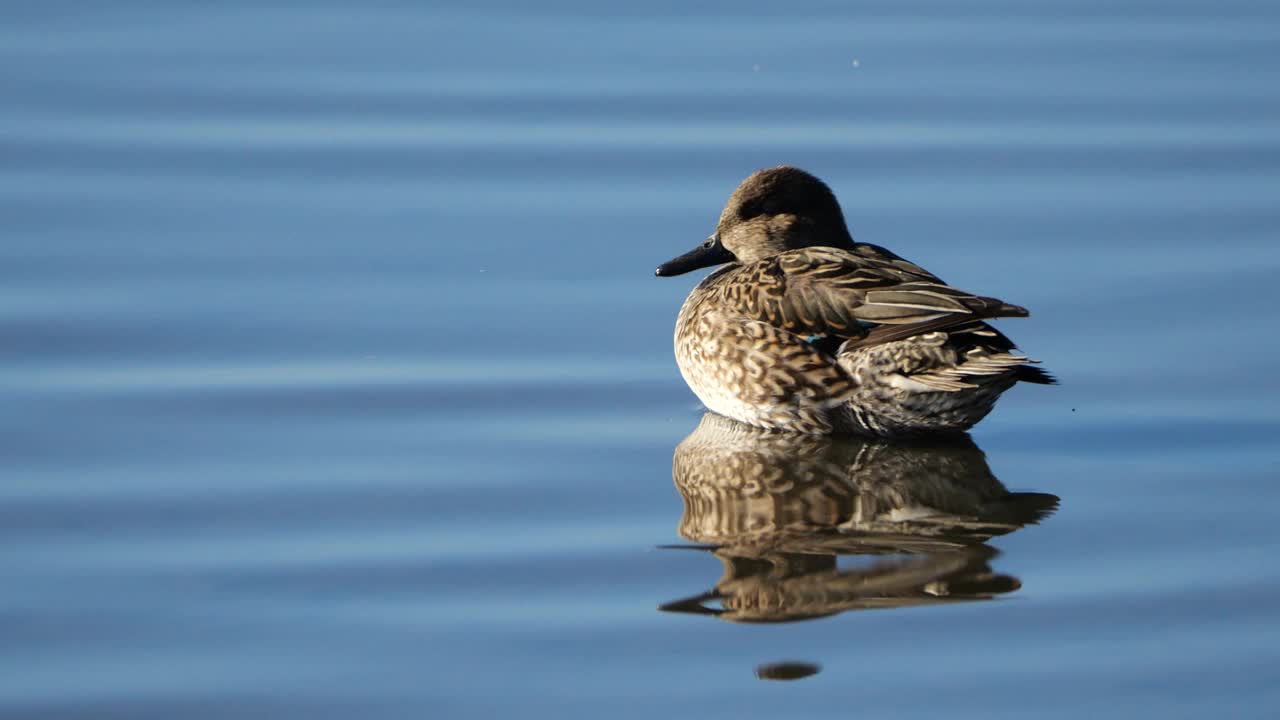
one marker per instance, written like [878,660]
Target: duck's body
[807,331]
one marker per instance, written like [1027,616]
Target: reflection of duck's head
[779,508]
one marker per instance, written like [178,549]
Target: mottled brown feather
[834,291]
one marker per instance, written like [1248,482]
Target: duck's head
[774,210]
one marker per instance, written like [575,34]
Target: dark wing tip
[1027,373]
[1011,310]
[989,307]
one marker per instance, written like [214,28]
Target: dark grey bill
[707,254]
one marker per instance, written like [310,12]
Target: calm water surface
[336,383]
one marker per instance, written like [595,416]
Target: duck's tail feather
[1031,374]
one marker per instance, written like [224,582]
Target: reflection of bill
[784,513]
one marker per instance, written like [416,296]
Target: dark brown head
[774,210]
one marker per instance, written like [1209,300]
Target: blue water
[336,383]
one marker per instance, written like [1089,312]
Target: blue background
[335,381]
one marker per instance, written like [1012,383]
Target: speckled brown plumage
[805,330]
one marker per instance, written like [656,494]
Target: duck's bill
[707,254]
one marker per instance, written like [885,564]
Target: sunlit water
[336,383]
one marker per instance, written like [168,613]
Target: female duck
[806,330]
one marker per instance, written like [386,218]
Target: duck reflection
[784,512]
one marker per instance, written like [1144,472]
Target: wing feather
[843,292]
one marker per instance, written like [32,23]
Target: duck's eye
[710,243]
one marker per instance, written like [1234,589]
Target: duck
[802,329]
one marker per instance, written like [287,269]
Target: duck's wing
[963,326]
[986,350]
[980,349]
[832,291]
